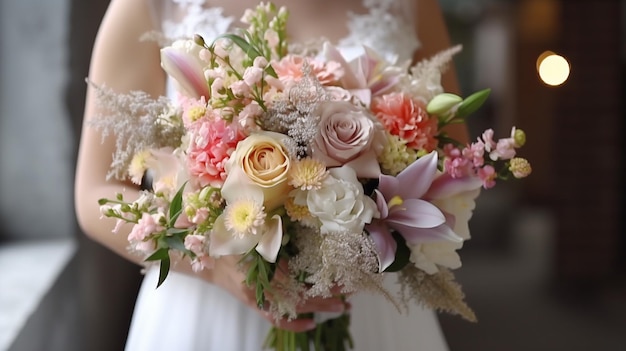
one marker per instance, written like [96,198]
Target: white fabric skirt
[188,314]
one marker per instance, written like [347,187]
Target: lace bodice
[388,26]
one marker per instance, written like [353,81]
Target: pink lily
[187,70]
[367,75]
[403,209]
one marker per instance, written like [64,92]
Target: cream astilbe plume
[424,80]
[436,291]
[138,122]
[292,113]
[344,259]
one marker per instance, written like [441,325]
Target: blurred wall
[36,141]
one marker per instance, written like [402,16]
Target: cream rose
[265,161]
[348,135]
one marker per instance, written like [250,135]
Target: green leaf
[164,270]
[242,43]
[176,231]
[176,243]
[176,206]
[472,103]
[250,50]
[160,254]
[403,253]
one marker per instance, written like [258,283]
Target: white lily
[244,225]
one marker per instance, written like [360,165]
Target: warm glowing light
[553,69]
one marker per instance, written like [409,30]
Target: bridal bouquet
[327,171]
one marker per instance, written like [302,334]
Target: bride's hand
[228,275]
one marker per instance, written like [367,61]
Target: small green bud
[198,39]
[472,103]
[443,103]
[520,138]
[204,194]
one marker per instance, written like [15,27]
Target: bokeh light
[553,69]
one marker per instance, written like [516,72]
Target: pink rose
[348,135]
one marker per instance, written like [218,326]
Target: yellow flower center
[307,174]
[244,217]
[196,112]
[296,212]
[395,201]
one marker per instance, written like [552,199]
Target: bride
[214,310]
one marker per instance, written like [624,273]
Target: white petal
[222,242]
[271,240]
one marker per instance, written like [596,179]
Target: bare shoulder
[120,59]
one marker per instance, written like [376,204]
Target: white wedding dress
[188,314]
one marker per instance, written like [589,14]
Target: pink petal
[385,244]
[388,186]
[366,165]
[381,203]
[445,186]
[271,240]
[418,176]
[349,79]
[416,213]
[420,235]
[186,71]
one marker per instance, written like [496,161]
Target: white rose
[340,203]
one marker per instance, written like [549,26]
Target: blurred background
[545,269]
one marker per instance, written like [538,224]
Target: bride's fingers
[319,304]
[295,325]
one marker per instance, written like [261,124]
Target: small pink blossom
[240,88]
[217,85]
[487,139]
[488,175]
[475,152]
[201,215]
[196,244]
[408,119]
[252,75]
[505,150]
[246,120]
[455,164]
[139,236]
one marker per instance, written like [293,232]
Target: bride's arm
[123,63]
[433,34]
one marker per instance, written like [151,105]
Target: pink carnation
[211,144]
[408,119]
